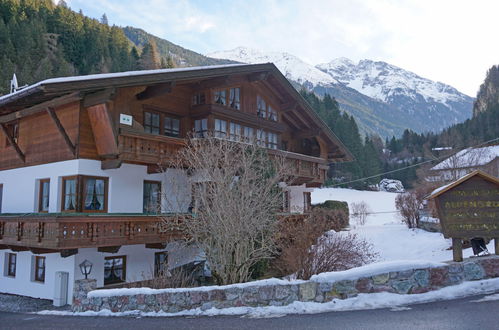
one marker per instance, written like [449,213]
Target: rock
[391,185]
[363,285]
[422,277]
[381,278]
[402,286]
[307,291]
[473,271]
[438,276]
[491,266]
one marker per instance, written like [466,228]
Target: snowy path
[390,237]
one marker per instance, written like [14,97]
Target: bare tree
[360,211]
[235,197]
[409,205]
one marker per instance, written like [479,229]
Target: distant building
[466,161]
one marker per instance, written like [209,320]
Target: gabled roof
[469,157]
[51,88]
[439,191]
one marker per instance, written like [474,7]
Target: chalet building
[79,155]
[485,159]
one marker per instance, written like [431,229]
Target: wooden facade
[79,118]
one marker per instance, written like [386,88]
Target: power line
[410,166]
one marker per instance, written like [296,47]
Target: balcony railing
[70,231]
[152,149]
[147,148]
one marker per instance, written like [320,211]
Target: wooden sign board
[469,207]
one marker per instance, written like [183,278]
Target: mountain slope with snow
[291,66]
[383,98]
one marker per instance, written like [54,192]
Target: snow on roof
[116,75]
[469,157]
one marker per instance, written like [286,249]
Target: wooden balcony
[302,168]
[59,231]
[150,149]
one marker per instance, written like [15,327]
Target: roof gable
[439,191]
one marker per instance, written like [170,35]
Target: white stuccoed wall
[23,285]
[20,186]
[296,202]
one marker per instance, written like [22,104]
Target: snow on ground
[362,301]
[385,230]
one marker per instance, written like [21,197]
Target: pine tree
[149,59]
[104,19]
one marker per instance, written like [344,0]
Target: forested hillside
[40,40]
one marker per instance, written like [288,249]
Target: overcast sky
[452,41]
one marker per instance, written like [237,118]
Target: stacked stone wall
[410,281]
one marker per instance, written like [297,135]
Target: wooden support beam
[109,249]
[68,253]
[62,131]
[13,143]
[210,83]
[160,246]
[298,115]
[103,131]
[99,97]
[496,245]
[109,164]
[42,251]
[155,90]
[276,93]
[457,249]
[306,134]
[290,120]
[4,247]
[40,107]
[16,248]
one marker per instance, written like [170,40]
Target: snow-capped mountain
[291,66]
[386,82]
[385,99]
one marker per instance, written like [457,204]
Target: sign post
[469,208]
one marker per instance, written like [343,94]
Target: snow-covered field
[385,230]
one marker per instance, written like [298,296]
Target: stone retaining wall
[280,293]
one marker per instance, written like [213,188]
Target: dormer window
[235,98]
[220,97]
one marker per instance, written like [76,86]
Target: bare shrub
[235,199]
[176,278]
[409,205]
[360,211]
[306,250]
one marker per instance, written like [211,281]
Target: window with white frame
[261,138]
[235,98]
[220,128]
[248,134]
[201,127]
[271,140]
[220,97]
[235,132]
[272,114]
[261,107]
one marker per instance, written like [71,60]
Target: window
[160,263]
[12,129]
[151,122]
[235,98]
[201,127]
[171,126]
[152,197]
[91,197]
[235,132]
[248,134]
[11,260]
[261,107]
[220,128]
[44,194]
[307,201]
[220,97]
[260,138]
[284,145]
[69,201]
[272,140]
[39,269]
[272,114]
[1,197]
[198,98]
[94,194]
[114,270]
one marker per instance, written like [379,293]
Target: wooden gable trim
[13,143]
[40,107]
[99,97]
[62,131]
